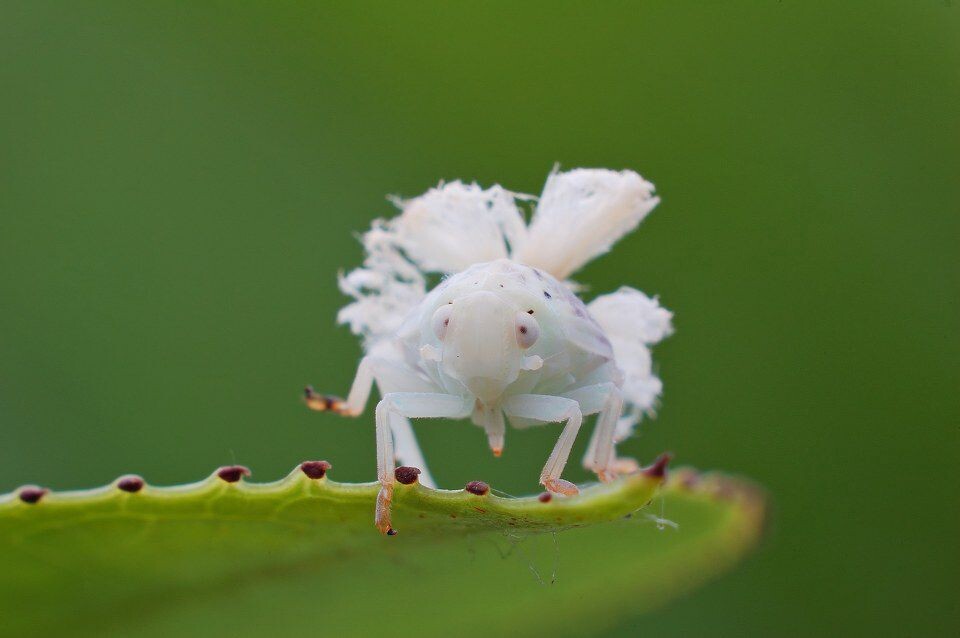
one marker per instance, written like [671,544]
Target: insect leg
[606,399]
[357,399]
[551,409]
[409,405]
[389,375]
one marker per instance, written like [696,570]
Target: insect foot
[324,402]
[625,465]
[561,486]
[382,518]
[607,476]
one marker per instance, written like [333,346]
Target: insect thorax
[573,348]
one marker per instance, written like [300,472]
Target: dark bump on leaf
[689,479]
[32,494]
[233,473]
[130,483]
[724,490]
[315,469]
[477,487]
[546,497]
[659,467]
[406,474]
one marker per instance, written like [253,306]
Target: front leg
[390,375]
[551,409]
[357,399]
[399,405]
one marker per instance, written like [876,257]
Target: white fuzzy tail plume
[634,323]
[445,230]
[581,214]
[456,225]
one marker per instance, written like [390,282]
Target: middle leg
[552,409]
[607,400]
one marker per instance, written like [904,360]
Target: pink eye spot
[441,319]
[528,330]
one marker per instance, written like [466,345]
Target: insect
[503,336]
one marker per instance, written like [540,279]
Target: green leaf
[302,554]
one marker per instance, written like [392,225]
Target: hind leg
[605,399]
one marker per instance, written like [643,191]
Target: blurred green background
[180,183]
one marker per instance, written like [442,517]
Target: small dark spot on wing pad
[547,295]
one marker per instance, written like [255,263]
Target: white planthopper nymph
[503,335]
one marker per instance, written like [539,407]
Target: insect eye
[441,319]
[528,330]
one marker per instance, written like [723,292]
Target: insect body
[502,337]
